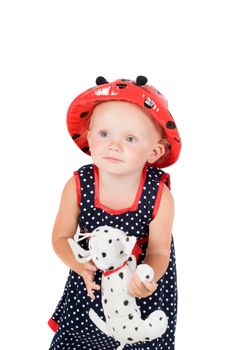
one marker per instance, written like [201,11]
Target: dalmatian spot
[150,324]
[106,231]
[147,277]
[111,289]
[105,301]
[111,268]
[116,311]
[170,125]
[124,327]
[80,256]
[147,338]
[103,255]
[97,258]
[97,230]
[110,241]
[121,275]
[118,239]
[127,239]
[84,114]
[160,318]
[75,136]
[121,86]
[126,302]
[121,252]
[136,328]
[130,258]
[108,277]
[148,103]
[130,339]
[108,316]
[85,149]
[113,329]
[130,316]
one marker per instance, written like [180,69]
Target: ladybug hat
[138,92]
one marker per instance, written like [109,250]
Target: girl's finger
[90,293]
[95,286]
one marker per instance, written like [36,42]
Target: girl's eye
[130,139]
[103,133]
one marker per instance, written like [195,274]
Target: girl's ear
[88,136]
[157,153]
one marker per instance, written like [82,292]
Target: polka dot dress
[70,321]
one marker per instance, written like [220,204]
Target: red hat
[145,96]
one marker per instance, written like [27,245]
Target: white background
[50,52]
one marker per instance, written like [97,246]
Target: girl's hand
[88,276]
[140,289]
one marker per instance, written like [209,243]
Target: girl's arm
[160,234]
[65,226]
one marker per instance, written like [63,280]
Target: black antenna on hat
[101,80]
[141,80]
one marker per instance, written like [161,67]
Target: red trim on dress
[78,187]
[134,206]
[164,177]
[53,325]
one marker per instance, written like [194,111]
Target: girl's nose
[115,146]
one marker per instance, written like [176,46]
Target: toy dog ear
[80,254]
[129,243]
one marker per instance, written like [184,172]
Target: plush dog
[111,251]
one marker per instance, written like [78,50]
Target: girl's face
[122,137]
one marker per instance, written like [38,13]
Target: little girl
[127,129]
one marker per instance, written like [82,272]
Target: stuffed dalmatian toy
[111,251]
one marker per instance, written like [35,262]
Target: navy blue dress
[70,321]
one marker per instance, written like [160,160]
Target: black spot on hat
[113,329]
[110,241]
[121,86]
[160,318]
[130,316]
[121,252]
[147,338]
[118,239]
[130,258]
[124,327]
[136,328]
[111,289]
[147,277]
[126,302]
[116,311]
[101,80]
[84,114]
[108,316]
[80,256]
[106,231]
[85,149]
[127,239]
[103,255]
[170,125]
[111,268]
[130,339]
[141,80]
[150,324]
[75,136]
[105,301]
[121,275]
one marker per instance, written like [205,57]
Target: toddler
[127,129]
